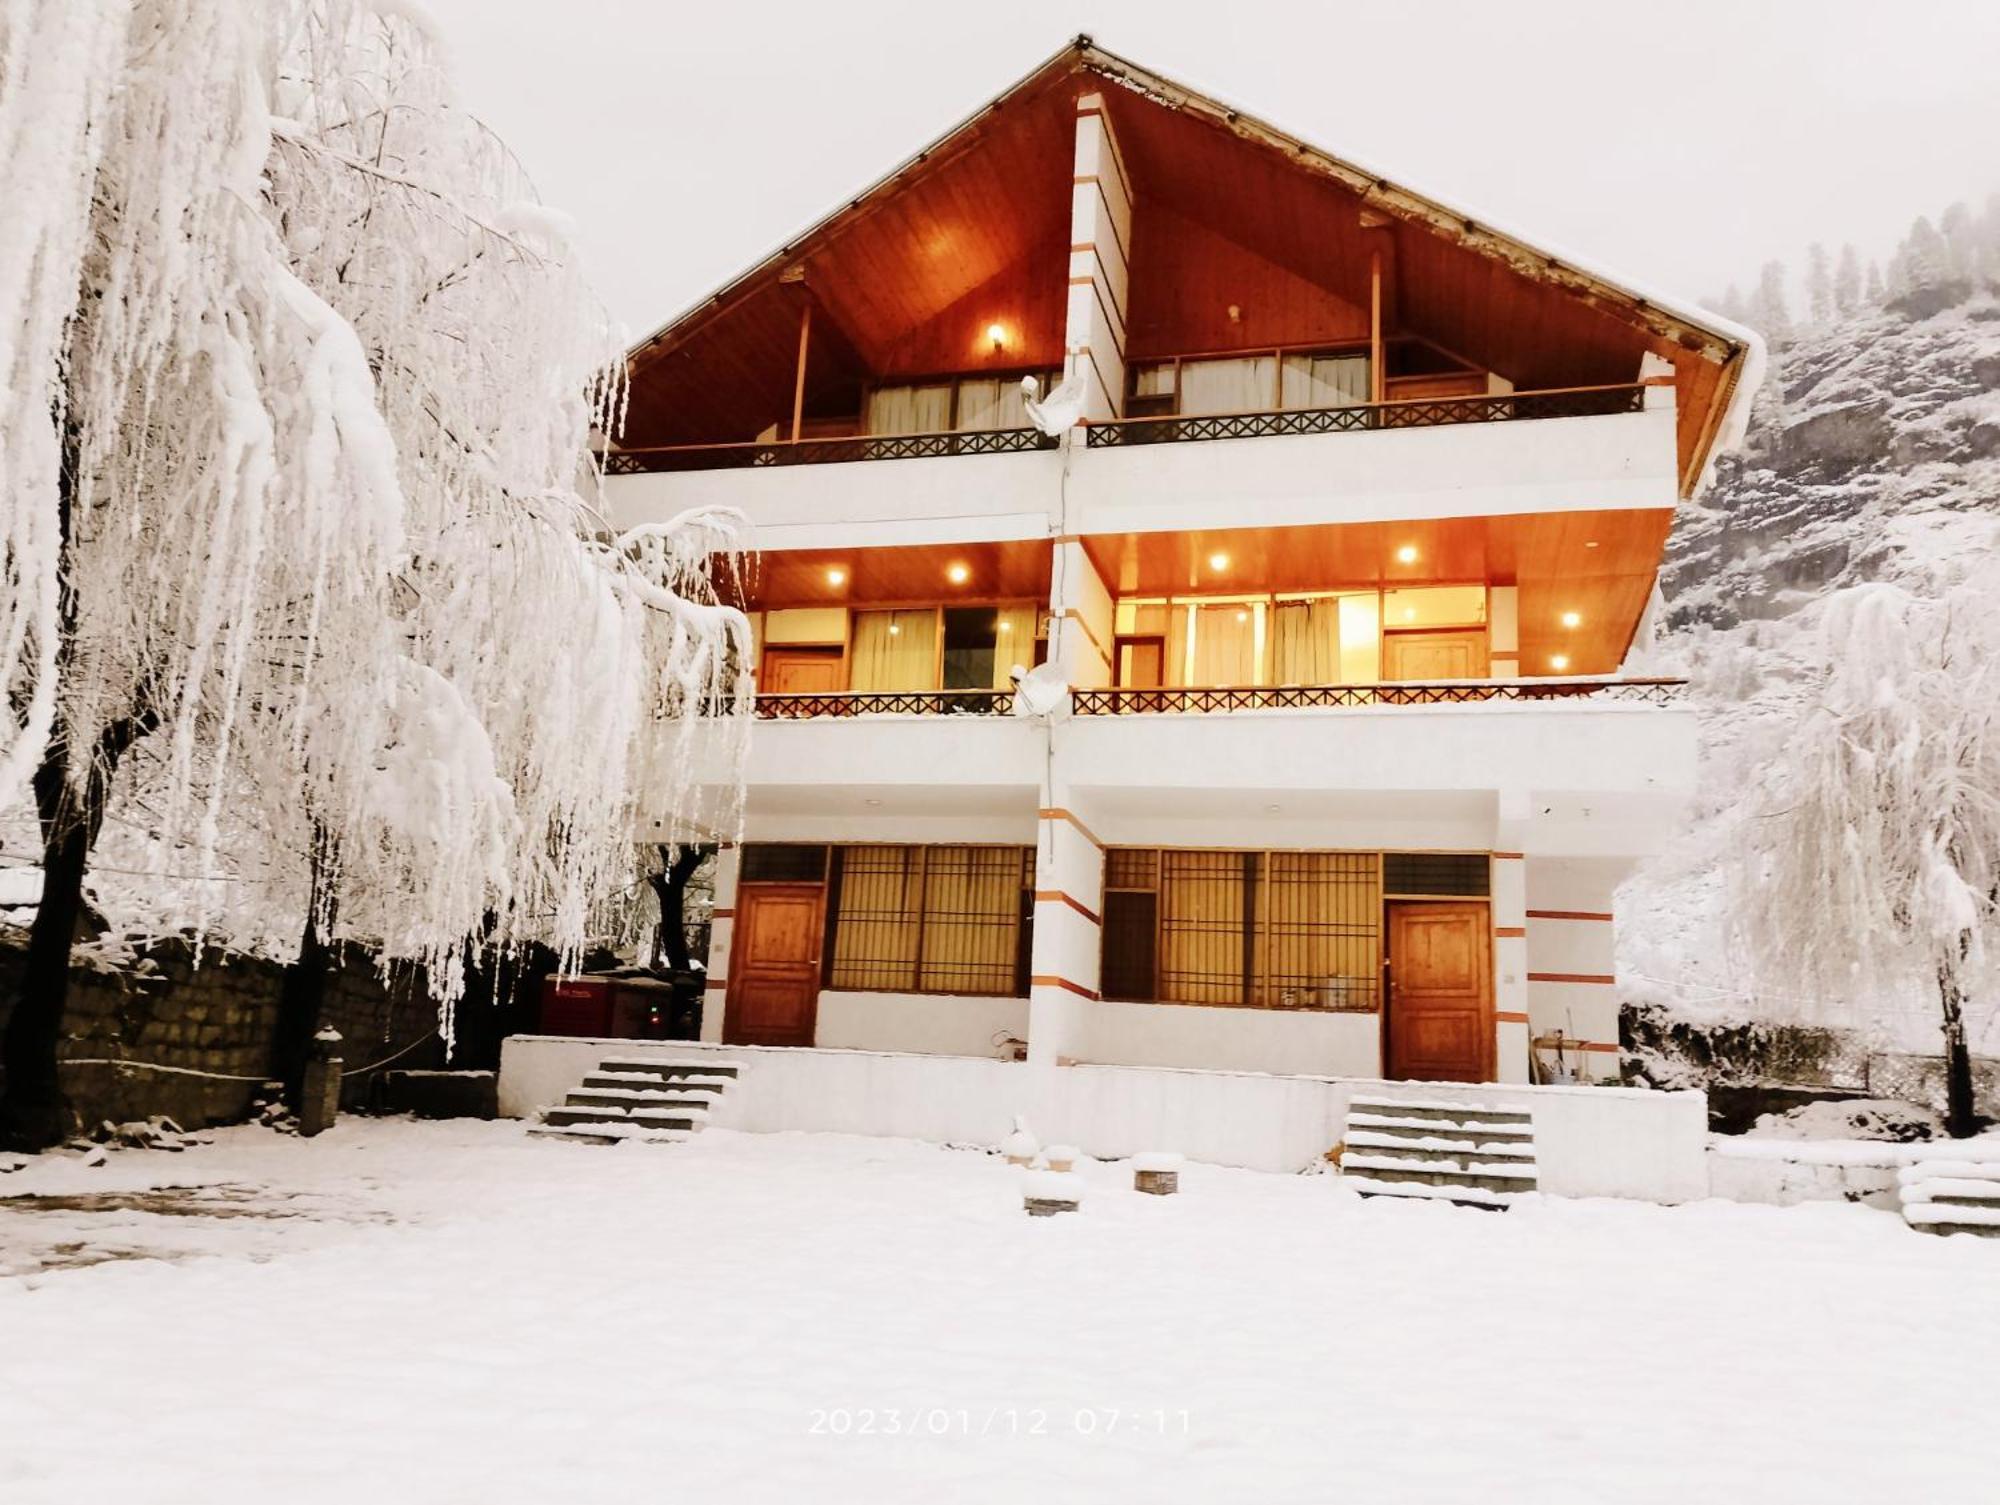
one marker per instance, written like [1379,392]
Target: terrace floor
[449,1312]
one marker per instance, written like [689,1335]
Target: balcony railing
[1417,412]
[1197,701]
[678,457]
[808,707]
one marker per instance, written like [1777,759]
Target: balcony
[836,451]
[1195,700]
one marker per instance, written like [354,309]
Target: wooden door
[800,671]
[1434,655]
[1142,663]
[1440,993]
[773,995]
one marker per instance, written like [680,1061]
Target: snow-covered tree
[1870,869]
[1847,281]
[1874,289]
[1770,315]
[300,389]
[1819,285]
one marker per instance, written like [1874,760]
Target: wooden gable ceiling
[905,280]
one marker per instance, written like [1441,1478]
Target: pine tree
[1847,281]
[1819,285]
[1769,313]
[1873,290]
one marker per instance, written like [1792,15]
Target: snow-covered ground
[452,1312]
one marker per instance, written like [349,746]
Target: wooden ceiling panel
[1600,565]
[920,574]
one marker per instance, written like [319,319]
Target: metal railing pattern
[1182,701]
[1421,412]
[679,457]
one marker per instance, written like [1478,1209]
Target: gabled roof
[979,220]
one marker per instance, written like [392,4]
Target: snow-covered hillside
[1874,455]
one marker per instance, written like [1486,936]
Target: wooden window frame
[916,875]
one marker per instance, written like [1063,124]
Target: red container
[576,1006]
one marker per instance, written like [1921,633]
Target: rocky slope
[1874,455]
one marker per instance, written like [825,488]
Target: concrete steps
[654,1100]
[1951,1196]
[1440,1150]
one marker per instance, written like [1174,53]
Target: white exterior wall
[1280,1042]
[1572,959]
[1604,462]
[927,1023]
[1589,1141]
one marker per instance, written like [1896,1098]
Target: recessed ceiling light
[958,574]
[1572,619]
[1407,554]
[1559,662]
[1218,562]
[874,802]
[835,575]
[1591,544]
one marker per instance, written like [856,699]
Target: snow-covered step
[660,1067]
[1439,1149]
[658,1099]
[588,1096]
[608,1133]
[1948,1195]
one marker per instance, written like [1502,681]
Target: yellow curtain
[991,404]
[875,929]
[1013,643]
[909,410]
[1247,384]
[1306,642]
[894,650]
[1225,646]
[1201,927]
[972,919]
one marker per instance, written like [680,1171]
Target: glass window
[932,919]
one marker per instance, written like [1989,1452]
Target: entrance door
[773,996]
[1434,655]
[1440,993]
[800,671]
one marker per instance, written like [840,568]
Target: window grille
[774,862]
[931,919]
[1439,875]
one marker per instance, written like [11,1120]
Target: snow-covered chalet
[1334,513]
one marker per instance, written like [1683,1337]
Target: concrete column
[319,1101]
[1100,240]
[1069,906]
[721,936]
[1509,904]
[1083,625]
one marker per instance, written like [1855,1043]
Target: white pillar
[1069,908]
[1572,962]
[721,935]
[1509,904]
[1100,243]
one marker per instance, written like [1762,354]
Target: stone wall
[211,1028]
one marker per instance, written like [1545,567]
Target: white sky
[1677,142]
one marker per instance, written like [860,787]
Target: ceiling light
[1407,554]
[1572,619]
[958,574]
[836,576]
[1591,545]
[1218,562]
[1559,662]
[895,629]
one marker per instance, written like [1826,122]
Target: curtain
[909,410]
[984,405]
[1225,645]
[972,919]
[1322,381]
[876,926]
[1201,927]
[894,650]
[1013,643]
[1360,639]
[1244,385]
[1306,642]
